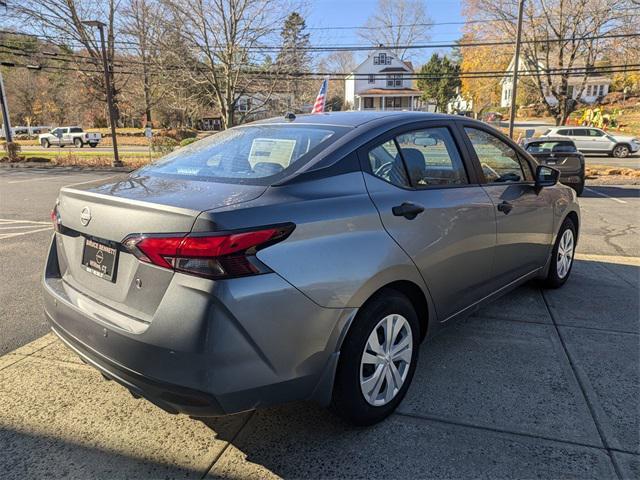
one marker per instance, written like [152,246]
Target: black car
[560,153]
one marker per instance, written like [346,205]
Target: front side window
[595,133]
[251,154]
[500,163]
[432,158]
[386,163]
[579,132]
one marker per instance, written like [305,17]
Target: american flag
[318,107]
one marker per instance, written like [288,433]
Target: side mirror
[546,176]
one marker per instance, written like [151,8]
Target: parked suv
[594,140]
[300,258]
[62,136]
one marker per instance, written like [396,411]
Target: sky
[325,13]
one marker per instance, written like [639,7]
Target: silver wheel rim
[621,152]
[386,360]
[565,253]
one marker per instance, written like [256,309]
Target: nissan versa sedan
[300,258]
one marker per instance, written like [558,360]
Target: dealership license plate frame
[110,253]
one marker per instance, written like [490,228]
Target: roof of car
[357,118]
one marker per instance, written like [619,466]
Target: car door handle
[407,210]
[505,207]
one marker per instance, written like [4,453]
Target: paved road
[540,384]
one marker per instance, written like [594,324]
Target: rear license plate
[100,258]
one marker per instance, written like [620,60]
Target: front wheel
[45,143]
[621,151]
[562,255]
[377,359]
[78,143]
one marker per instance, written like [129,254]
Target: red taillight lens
[55,218]
[209,255]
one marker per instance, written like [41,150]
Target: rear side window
[432,158]
[551,147]
[500,163]
[75,130]
[562,132]
[254,154]
[580,132]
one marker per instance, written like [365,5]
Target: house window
[394,80]
[398,80]
[376,60]
[601,91]
[588,92]
[392,102]
[368,102]
[383,58]
[372,78]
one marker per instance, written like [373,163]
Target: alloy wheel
[565,253]
[620,151]
[386,360]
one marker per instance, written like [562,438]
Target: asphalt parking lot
[540,384]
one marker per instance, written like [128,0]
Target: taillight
[55,218]
[212,255]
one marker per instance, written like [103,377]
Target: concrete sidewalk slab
[525,303]
[60,418]
[608,365]
[510,376]
[628,465]
[590,301]
[304,442]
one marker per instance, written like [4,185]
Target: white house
[382,82]
[596,86]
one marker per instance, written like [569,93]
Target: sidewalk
[535,385]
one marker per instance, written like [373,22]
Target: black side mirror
[546,176]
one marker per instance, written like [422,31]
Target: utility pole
[8,134]
[516,64]
[107,82]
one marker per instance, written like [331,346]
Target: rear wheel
[78,142]
[93,145]
[620,151]
[377,359]
[562,256]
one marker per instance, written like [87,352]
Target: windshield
[253,154]
[548,147]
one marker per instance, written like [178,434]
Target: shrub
[163,145]
[179,134]
[187,141]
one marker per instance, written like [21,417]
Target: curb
[47,166]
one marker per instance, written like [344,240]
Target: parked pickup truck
[62,136]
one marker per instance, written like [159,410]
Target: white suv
[594,140]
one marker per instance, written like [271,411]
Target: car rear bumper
[212,348]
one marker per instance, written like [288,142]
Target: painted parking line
[604,195]
[10,228]
[35,179]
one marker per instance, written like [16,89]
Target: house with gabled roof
[382,82]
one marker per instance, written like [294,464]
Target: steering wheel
[383,170]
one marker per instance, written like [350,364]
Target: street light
[107,82]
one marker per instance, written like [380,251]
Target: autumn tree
[397,24]
[439,79]
[562,40]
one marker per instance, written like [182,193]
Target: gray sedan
[300,258]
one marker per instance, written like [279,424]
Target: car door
[580,137]
[598,141]
[55,136]
[435,210]
[66,137]
[524,214]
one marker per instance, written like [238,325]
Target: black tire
[45,143]
[78,143]
[555,279]
[620,151]
[348,400]
[93,145]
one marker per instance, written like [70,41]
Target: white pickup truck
[62,136]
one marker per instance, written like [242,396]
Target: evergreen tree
[294,54]
[443,87]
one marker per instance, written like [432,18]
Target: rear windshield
[551,147]
[257,154]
